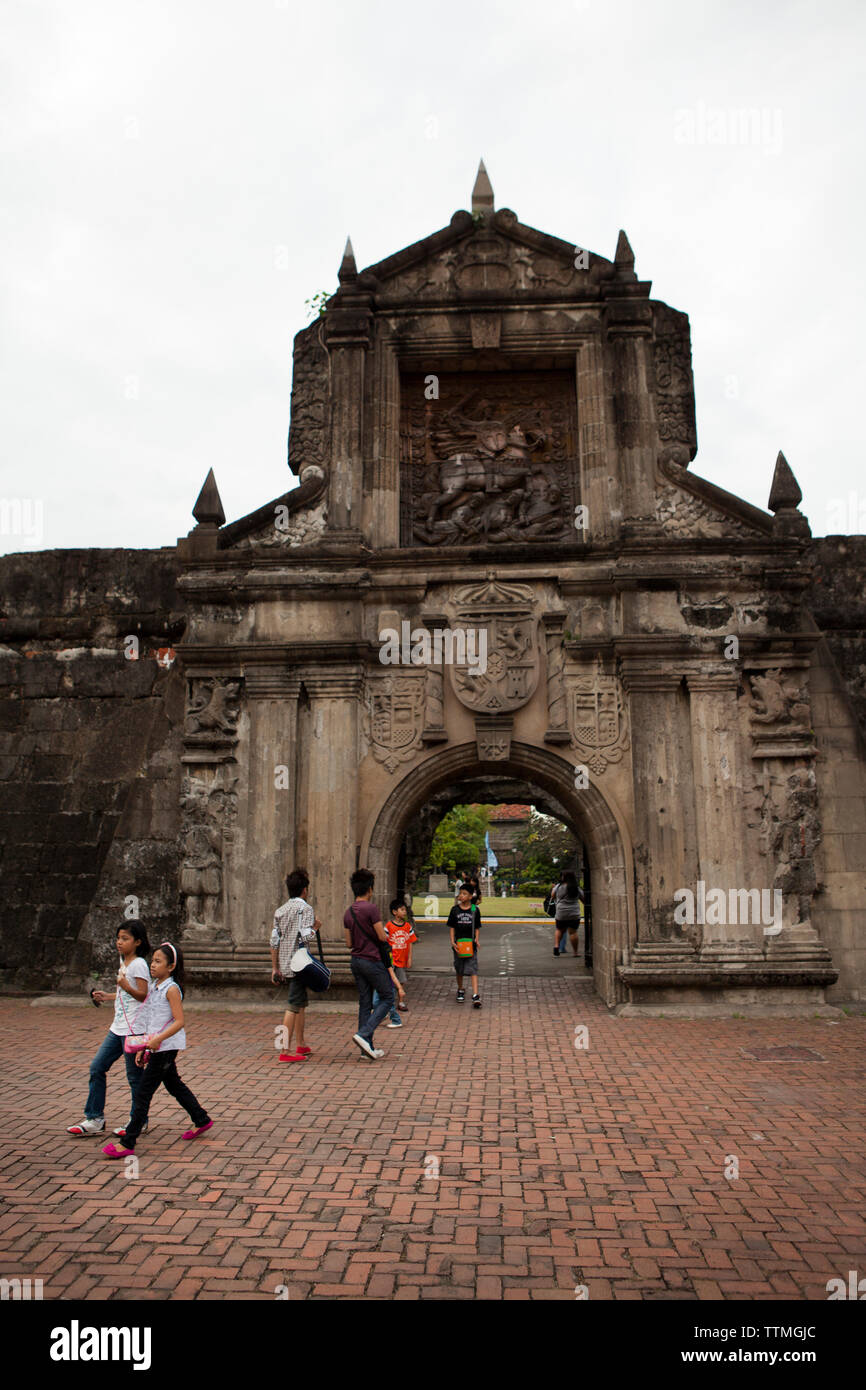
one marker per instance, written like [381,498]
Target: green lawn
[490,907]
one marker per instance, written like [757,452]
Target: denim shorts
[465,965]
[297,995]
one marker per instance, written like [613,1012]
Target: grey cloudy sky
[178,178]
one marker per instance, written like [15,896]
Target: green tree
[459,839]
[545,848]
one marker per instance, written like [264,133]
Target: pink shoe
[292,1057]
[304,1050]
[194,1133]
[112,1151]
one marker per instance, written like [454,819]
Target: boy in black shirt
[464,923]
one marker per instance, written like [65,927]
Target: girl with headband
[159,1057]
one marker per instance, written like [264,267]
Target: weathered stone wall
[89,757]
[838,605]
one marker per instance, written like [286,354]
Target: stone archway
[599,823]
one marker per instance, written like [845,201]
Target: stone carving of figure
[774,703]
[214,707]
[483,467]
[200,878]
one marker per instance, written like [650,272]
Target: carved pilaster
[718,794]
[665,858]
[557,711]
[599,491]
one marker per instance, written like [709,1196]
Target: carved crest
[394,717]
[508,676]
[599,725]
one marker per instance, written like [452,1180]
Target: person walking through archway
[568,896]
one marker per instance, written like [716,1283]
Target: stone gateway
[493,432]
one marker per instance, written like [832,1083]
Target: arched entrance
[594,819]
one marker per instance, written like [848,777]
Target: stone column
[629,329]
[383,467]
[664,850]
[347,335]
[273,711]
[718,795]
[331,809]
[599,488]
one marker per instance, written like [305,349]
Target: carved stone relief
[209,807]
[212,709]
[493,459]
[508,614]
[599,721]
[687,517]
[488,261]
[675,398]
[394,717]
[298,528]
[308,430]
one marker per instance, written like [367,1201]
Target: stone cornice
[238,656]
[333,685]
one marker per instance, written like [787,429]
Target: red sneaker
[292,1057]
[305,1050]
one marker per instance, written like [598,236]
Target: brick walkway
[558,1167]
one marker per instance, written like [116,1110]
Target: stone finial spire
[623,256]
[482,193]
[208,509]
[785,497]
[348,270]
[785,492]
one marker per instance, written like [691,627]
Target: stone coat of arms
[508,677]
[394,717]
[598,719]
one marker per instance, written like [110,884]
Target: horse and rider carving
[492,480]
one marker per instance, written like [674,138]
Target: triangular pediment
[487,255]
[689,507]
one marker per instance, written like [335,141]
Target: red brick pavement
[558,1167]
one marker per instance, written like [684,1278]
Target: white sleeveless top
[159,1016]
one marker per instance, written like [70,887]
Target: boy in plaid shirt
[295,925]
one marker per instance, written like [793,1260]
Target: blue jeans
[394,1015]
[371,977]
[110,1051]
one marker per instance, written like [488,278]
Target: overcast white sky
[178,178]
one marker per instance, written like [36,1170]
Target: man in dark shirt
[362,924]
[464,923]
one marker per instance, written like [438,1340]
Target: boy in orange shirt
[400,934]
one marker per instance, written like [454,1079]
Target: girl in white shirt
[166,1038]
[133,982]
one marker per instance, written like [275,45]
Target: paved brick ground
[558,1167]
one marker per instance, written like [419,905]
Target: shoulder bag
[311,972]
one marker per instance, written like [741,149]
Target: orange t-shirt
[400,935]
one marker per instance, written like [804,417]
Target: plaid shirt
[293,928]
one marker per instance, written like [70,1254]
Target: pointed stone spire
[208,509]
[482,193]
[624,256]
[785,492]
[348,270]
